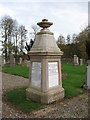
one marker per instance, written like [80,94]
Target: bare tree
[68,39]
[22,37]
[35,29]
[6,27]
[74,37]
[61,40]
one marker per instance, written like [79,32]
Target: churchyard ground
[65,108]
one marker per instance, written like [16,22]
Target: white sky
[68,17]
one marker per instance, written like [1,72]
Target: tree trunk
[16,51]
[5,42]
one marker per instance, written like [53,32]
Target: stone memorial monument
[76,61]
[45,85]
[88,75]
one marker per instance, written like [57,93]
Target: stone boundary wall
[70,60]
[67,59]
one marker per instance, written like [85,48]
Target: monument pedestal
[50,96]
[45,78]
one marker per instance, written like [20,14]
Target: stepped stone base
[45,97]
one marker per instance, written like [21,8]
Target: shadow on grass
[18,98]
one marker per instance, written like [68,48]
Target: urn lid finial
[45,23]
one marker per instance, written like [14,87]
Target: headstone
[76,60]
[20,60]
[4,62]
[11,60]
[81,62]
[24,63]
[28,63]
[88,75]
[45,84]
[14,61]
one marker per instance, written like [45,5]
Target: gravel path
[11,81]
[67,108]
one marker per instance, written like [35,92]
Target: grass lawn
[71,84]
[17,70]
[18,98]
[76,77]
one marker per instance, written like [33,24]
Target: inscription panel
[36,74]
[53,74]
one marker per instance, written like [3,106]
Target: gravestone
[20,60]
[88,74]
[2,61]
[28,63]
[24,63]
[45,85]
[81,62]
[14,61]
[76,60]
[11,60]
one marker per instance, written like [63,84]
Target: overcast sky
[68,17]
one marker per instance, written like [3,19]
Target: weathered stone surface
[45,42]
[76,60]
[88,75]
[28,63]
[20,60]
[81,62]
[45,97]
[2,62]
[12,63]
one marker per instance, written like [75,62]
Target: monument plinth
[45,84]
